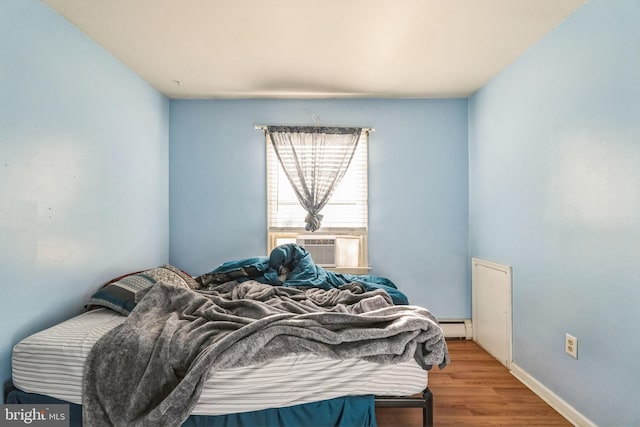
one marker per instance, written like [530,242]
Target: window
[345,215]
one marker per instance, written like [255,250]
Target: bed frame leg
[425,402]
[427,409]
[7,387]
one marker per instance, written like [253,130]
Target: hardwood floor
[475,390]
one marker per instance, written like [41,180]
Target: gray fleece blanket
[149,371]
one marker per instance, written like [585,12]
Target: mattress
[51,363]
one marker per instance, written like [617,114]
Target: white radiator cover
[457,328]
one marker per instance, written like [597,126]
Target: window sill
[349,270]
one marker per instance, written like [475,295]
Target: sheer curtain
[315,159]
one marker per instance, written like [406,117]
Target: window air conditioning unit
[321,248]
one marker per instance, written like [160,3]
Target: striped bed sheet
[51,363]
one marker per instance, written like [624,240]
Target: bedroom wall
[555,192]
[417,187]
[83,171]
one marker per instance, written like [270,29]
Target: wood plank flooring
[475,390]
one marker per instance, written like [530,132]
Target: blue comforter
[292,265]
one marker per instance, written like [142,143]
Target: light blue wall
[417,187]
[555,192]
[86,172]
[83,171]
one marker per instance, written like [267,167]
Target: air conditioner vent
[321,248]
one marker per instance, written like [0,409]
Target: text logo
[34,415]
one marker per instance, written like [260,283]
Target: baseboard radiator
[457,328]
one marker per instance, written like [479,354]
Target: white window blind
[347,208]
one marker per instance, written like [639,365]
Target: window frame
[360,232]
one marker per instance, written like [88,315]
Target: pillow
[170,274]
[123,293]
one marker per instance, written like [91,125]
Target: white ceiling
[316,49]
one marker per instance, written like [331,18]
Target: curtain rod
[264,127]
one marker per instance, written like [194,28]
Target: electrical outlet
[571,345]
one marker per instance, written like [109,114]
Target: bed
[253,342]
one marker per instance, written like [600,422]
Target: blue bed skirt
[348,411]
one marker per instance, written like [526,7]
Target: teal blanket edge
[295,265]
[346,411]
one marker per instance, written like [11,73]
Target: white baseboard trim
[557,403]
